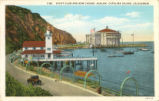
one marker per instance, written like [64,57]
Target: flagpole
[93,37]
[133,40]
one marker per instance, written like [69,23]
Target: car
[34,80]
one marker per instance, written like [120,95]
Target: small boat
[128,53]
[111,55]
[116,55]
[144,49]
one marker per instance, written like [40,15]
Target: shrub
[15,88]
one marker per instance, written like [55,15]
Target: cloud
[76,17]
[79,25]
[46,17]
[73,23]
[137,26]
[133,14]
[111,20]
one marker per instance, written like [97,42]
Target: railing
[64,57]
[38,58]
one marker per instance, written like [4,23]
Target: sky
[79,20]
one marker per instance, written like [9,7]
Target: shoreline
[88,47]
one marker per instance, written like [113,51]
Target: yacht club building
[39,50]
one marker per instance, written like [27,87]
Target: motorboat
[116,55]
[128,52]
[144,49]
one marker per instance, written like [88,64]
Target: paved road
[57,88]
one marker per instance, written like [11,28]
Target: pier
[78,63]
[67,59]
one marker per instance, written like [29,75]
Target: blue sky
[79,20]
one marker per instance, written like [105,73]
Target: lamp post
[93,49]
[91,46]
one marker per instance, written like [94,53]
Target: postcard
[79,50]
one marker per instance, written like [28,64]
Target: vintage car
[34,80]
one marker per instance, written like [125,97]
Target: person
[99,90]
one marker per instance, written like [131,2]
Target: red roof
[107,30]
[39,52]
[33,52]
[34,44]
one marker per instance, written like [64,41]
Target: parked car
[34,80]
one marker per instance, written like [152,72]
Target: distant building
[104,37]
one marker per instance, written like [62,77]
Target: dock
[79,63]
[66,59]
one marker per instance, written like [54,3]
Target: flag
[128,72]
[92,30]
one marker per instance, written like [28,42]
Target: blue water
[114,69]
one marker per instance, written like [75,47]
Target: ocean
[114,70]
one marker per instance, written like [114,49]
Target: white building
[104,37]
[39,50]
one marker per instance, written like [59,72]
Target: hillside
[23,25]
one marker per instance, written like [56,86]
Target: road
[57,88]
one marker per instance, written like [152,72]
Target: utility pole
[133,39]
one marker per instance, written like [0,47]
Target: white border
[155,4]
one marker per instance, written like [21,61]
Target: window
[48,48]
[49,55]
[48,38]
[42,55]
[41,48]
[34,48]
[26,56]
[26,48]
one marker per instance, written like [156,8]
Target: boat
[116,55]
[144,49]
[111,55]
[128,52]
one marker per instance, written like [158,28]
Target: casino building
[105,37]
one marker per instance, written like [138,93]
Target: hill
[23,25]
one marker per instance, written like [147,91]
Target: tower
[48,43]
